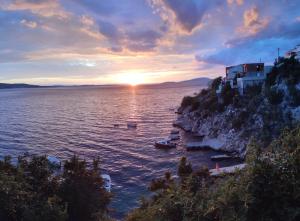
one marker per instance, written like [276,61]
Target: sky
[139,41]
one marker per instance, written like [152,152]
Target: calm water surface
[79,120]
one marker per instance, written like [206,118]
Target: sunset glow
[92,42]
[132,78]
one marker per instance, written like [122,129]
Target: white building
[244,75]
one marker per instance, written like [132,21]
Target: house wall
[232,71]
[254,67]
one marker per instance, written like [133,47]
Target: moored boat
[166,143]
[107,182]
[54,161]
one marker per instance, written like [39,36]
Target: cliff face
[229,121]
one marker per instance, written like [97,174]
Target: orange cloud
[44,8]
[29,24]
[239,2]
[252,22]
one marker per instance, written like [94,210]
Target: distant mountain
[201,82]
[11,86]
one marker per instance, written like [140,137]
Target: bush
[227,94]
[253,90]
[33,191]
[215,83]
[238,122]
[275,97]
[295,95]
[267,189]
[188,101]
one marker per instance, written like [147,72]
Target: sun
[132,78]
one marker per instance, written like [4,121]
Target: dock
[196,146]
[221,157]
[227,170]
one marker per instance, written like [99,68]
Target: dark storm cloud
[144,40]
[189,13]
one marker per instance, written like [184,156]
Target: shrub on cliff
[31,190]
[227,94]
[268,189]
[215,83]
[274,96]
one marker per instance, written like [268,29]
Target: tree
[83,191]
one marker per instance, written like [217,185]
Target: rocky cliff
[229,121]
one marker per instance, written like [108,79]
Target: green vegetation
[288,69]
[207,102]
[268,189]
[274,96]
[31,190]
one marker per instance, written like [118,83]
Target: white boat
[131,125]
[166,143]
[54,161]
[107,182]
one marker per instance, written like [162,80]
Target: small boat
[174,131]
[220,157]
[107,182]
[166,143]
[54,161]
[116,125]
[131,125]
[174,137]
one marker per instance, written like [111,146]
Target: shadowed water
[80,120]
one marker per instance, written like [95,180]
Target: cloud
[44,8]
[145,40]
[29,24]
[187,14]
[238,2]
[253,23]
[98,6]
[109,30]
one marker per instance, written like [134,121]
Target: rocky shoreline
[226,140]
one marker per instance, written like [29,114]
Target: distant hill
[201,82]
[11,86]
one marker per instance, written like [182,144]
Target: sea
[91,122]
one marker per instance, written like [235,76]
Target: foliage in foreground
[268,189]
[32,190]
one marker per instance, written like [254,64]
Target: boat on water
[107,182]
[131,125]
[165,144]
[220,157]
[54,161]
